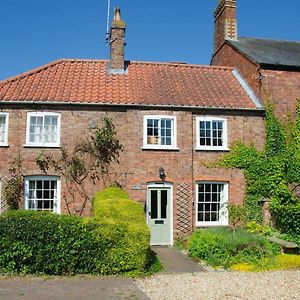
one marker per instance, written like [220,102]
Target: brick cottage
[173,120]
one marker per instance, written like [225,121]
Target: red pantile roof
[144,83]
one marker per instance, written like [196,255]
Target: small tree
[88,161]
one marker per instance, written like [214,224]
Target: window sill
[4,145]
[42,146]
[213,149]
[215,224]
[149,148]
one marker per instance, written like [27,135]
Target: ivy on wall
[273,173]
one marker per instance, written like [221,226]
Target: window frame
[224,135]
[173,145]
[56,204]
[42,144]
[223,211]
[5,142]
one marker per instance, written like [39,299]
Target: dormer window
[43,129]
[159,132]
[3,129]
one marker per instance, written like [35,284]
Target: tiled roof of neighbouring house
[144,83]
[269,52]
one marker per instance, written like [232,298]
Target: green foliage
[237,214]
[270,173]
[113,205]
[275,141]
[13,187]
[256,228]
[46,243]
[279,262]
[223,247]
[113,208]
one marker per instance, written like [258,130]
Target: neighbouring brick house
[174,116]
[270,67]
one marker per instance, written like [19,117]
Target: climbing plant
[13,186]
[87,162]
[273,173]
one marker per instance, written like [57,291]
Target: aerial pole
[107,23]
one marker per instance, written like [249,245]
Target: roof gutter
[130,105]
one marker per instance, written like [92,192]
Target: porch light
[162,174]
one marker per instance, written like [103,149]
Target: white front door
[159,215]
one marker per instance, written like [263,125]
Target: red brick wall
[138,167]
[280,87]
[227,56]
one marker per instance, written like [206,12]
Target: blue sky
[35,32]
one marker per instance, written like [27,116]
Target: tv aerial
[107,23]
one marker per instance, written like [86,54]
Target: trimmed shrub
[45,243]
[123,223]
[223,247]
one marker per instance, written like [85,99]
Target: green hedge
[113,209]
[223,247]
[46,243]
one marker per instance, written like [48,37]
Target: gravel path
[223,285]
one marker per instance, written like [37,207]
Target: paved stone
[85,287]
[174,261]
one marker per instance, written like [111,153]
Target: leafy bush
[114,210]
[223,247]
[113,205]
[256,228]
[45,243]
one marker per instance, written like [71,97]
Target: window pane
[168,141]
[214,217]
[152,132]
[201,188]
[164,202]
[207,217]
[35,129]
[200,207]
[2,128]
[154,204]
[200,217]
[50,129]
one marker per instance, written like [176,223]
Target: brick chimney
[225,23]
[117,44]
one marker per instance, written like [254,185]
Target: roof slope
[269,52]
[86,81]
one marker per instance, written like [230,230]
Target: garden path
[174,261]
